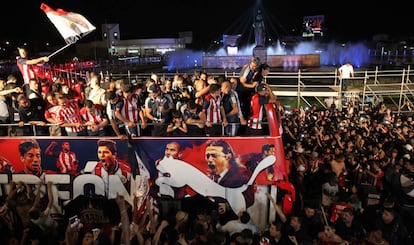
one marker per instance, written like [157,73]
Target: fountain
[303,54]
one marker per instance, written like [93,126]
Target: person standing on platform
[231,105]
[346,72]
[215,114]
[248,84]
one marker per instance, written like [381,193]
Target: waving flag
[72,26]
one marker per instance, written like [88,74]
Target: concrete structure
[111,44]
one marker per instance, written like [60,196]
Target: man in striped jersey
[66,160]
[25,64]
[215,114]
[94,118]
[129,111]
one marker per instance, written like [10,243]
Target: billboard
[313,25]
[178,167]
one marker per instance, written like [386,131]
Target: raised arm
[50,194]
[279,211]
[37,195]
[120,201]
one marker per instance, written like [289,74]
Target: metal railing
[325,82]
[140,130]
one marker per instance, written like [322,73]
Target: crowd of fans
[353,169]
[183,105]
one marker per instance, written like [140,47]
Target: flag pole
[57,51]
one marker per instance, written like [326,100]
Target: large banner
[228,168]
[313,25]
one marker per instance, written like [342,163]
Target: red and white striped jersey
[211,107]
[96,116]
[67,162]
[25,69]
[257,109]
[129,108]
[52,111]
[68,114]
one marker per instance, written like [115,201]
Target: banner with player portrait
[225,167]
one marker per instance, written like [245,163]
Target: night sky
[23,21]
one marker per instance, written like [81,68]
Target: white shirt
[346,71]
[4,111]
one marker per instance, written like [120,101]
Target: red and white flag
[72,26]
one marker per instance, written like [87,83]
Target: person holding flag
[71,26]
[25,65]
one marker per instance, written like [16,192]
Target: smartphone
[74,221]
